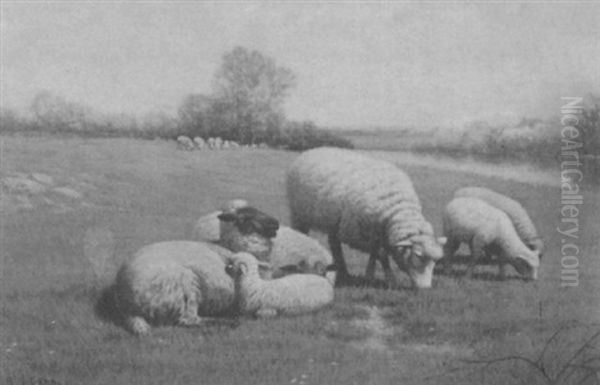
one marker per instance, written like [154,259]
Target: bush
[302,136]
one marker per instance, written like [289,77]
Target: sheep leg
[477,251]
[449,250]
[387,270]
[502,270]
[373,258]
[190,313]
[338,257]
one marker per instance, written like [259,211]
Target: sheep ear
[442,240]
[405,243]
[227,217]
[243,268]
[417,250]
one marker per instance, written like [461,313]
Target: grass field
[53,331]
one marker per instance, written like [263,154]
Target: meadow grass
[54,328]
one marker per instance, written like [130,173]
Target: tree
[56,113]
[251,88]
[194,115]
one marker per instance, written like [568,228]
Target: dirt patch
[24,192]
[378,330]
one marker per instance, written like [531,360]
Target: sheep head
[244,264]
[417,256]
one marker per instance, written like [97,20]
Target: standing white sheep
[523,224]
[184,143]
[173,283]
[487,230]
[288,251]
[289,295]
[368,204]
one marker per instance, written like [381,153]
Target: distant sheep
[173,283]
[289,251]
[487,230]
[218,143]
[185,143]
[369,204]
[200,143]
[289,295]
[523,224]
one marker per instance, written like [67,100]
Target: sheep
[174,283]
[184,143]
[288,251]
[290,295]
[234,145]
[523,224]
[211,143]
[368,204]
[218,143]
[226,145]
[488,230]
[208,228]
[200,143]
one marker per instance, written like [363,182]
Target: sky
[357,64]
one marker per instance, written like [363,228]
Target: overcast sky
[357,63]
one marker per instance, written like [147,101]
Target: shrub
[300,136]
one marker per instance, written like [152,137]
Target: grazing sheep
[523,224]
[173,283]
[200,143]
[288,251]
[488,230]
[370,205]
[226,145]
[218,143]
[184,143]
[234,145]
[289,295]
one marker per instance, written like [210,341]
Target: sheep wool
[288,249]
[521,220]
[173,283]
[208,228]
[289,295]
[486,229]
[366,203]
[291,247]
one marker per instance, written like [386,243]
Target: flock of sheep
[239,260]
[188,144]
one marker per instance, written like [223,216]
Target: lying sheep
[173,283]
[289,295]
[289,251]
[369,204]
[184,143]
[208,228]
[488,230]
[523,224]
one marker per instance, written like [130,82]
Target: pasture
[55,328]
